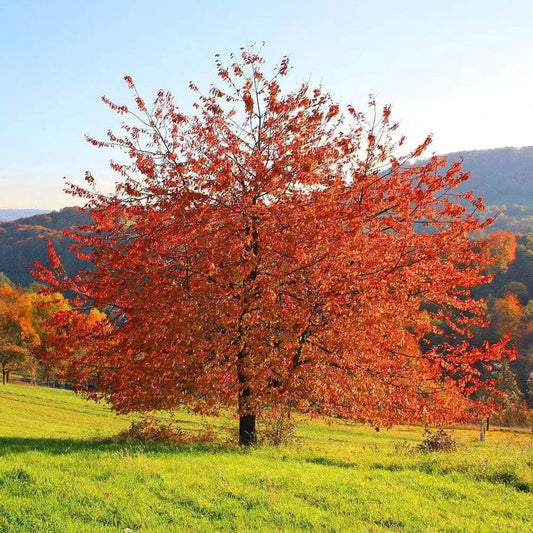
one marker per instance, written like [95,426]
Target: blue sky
[462,70]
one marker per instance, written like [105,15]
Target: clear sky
[460,69]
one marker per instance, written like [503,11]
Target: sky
[459,69]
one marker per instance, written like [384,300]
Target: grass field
[60,472]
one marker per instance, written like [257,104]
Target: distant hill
[503,176]
[23,241]
[6,215]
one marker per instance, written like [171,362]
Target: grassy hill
[58,473]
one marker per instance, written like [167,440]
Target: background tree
[518,289]
[23,329]
[507,316]
[501,247]
[42,307]
[4,280]
[12,358]
[512,407]
[16,332]
[270,252]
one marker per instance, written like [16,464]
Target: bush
[440,441]
[151,429]
[279,431]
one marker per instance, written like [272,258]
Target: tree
[522,268]
[12,357]
[507,316]
[41,308]
[512,405]
[23,315]
[501,248]
[4,280]
[270,253]
[518,289]
[16,333]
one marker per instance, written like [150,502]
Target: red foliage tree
[270,252]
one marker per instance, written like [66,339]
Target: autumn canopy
[273,251]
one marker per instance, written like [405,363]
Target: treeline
[510,313]
[514,218]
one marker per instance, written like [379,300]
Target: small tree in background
[17,336]
[24,333]
[272,252]
[12,358]
[501,247]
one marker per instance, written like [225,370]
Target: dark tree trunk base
[247,431]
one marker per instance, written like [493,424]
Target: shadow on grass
[17,445]
[327,461]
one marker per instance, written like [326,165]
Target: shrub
[440,441]
[152,429]
[279,431]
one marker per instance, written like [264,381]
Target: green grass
[59,472]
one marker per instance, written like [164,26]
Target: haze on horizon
[460,70]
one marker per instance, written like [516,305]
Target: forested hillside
[24,241]
[503,176]
[510,312]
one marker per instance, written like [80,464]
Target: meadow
[62,470]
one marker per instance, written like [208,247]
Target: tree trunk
[482,431]
[247,430]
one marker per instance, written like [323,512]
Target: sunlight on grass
[60,472]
